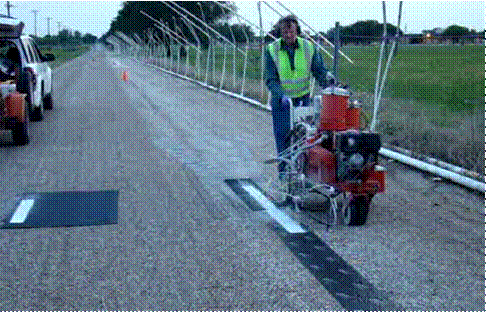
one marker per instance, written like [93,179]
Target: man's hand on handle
[285,102]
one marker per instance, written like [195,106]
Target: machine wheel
[355,213]
[48,101]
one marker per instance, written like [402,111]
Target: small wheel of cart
[355,212]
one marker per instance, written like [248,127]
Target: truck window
[28,51]
[35,56]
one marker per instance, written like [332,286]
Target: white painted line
[22,211]
[283,219]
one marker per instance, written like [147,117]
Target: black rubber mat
[32,210]
[343,282]
[235,185]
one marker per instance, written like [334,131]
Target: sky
[95,16]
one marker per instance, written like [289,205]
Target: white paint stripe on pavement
[22,211]
[283,219]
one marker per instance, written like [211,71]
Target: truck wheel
[35,113]
[355,213]
[48,101]
[24,85]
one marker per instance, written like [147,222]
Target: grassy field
[444,77]
[63,55]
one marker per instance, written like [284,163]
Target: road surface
[183,239]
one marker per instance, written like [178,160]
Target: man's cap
[288,18]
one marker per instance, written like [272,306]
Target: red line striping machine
[332,156]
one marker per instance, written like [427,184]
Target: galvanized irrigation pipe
[224,54]
[214,62]
[169,4]
[455,177]
[245,58]
[198,43]
[436,162]
[178,47]
[223,67]
[391,53]
[199,20]
[377,79]
[197,27]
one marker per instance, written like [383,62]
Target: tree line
[66,38]
[131,22]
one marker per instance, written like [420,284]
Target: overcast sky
[95,16]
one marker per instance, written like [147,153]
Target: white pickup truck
[25,80]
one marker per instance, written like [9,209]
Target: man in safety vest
[290,62]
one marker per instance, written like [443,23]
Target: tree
[89,39]
[66,38]
[365,32]
[76,38]
[455,33]
[63,36]
[239,31]
[130,21]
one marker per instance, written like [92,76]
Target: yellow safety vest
[295,83]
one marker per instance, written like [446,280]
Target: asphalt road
[183,239]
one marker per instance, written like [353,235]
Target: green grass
[65,54]
[450,77]
[443,77]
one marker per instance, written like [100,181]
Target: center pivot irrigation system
[207,66]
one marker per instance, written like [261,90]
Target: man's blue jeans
[282,123]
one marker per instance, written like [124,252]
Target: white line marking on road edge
[283,219]
[22,211]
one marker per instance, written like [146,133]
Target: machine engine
[355,151]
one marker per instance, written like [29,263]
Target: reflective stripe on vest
[295,83]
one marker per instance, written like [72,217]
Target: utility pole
[58,27]
[48,26]
[8,5]
[35,21]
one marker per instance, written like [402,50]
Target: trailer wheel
[355,213]
[20,133]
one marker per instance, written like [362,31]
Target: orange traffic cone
[125,76]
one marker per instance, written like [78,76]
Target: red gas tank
[336,112]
